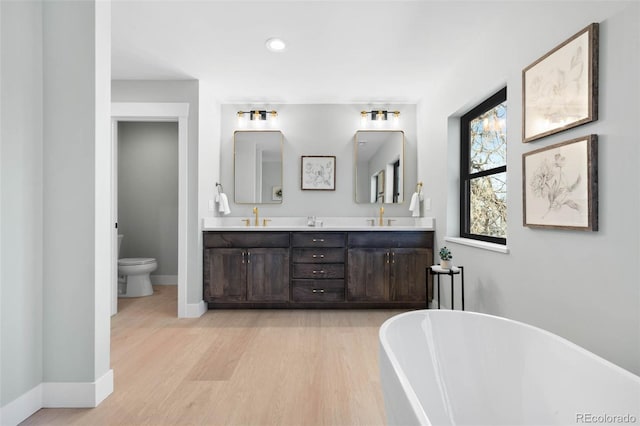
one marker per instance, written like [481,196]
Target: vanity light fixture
[379,115]
[260,115]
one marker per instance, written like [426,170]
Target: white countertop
[328,224]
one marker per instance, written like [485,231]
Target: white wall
[177,91]
[20,199]
[580,285]
[208,150]
[148,192]
[104,227]
[327,129]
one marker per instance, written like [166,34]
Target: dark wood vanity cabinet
[318,264]
[354,269]
[246,267]
[368,275]
[389,266]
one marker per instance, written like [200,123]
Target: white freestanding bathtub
[464,368]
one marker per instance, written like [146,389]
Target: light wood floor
[237,367]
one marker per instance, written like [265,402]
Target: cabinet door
[368,275]
[408,273]
[268,274]
[225,275]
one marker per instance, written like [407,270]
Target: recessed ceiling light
[275,45]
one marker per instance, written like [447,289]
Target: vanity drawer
[246,239]
[318,271]
[318,291]
[391,239]
[318,239]
[318,255]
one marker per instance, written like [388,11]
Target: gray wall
[20,199]
[49,192]
[76,311]
[318,130]
[148,192]
[176,91]
[580,285]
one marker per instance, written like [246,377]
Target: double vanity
[341,262]
[334,266]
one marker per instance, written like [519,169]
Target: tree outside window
[483,171]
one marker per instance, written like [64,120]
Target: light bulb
[275,44]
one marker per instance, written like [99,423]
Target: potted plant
[445,258]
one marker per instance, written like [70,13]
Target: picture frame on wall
[318,172]
[560,90]
[276,193]
[560,185]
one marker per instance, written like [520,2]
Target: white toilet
[133,275]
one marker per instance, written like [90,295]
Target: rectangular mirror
[379,166]
[257,158]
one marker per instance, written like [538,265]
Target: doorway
[153,112]
[148,196]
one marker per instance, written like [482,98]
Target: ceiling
[337,51]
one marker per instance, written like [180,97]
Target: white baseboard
[196,310]
[57,395]
[103,387]
[77,395]
[22,407]
[164,279]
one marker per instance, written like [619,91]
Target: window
[483,171]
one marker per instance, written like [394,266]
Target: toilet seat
[132,261]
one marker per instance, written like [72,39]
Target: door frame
[148,112]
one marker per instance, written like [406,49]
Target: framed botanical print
[560,90]
[318,172]
[560,185]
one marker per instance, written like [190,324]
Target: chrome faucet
[381,215]
[257,221]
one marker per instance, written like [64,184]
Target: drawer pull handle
[319,272]
[318,290]
[321,256]
[316,240]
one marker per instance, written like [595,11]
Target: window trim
[466,177]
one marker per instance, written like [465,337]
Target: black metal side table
[455,270]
